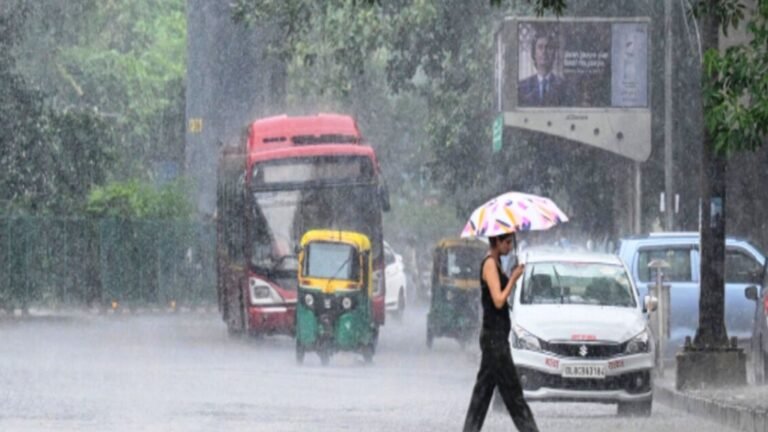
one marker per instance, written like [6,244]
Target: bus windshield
[283,216]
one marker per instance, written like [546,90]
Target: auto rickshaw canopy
[331,279]
[463,279]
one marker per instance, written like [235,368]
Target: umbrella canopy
[513,212]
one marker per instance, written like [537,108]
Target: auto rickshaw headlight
[449,295]
[309,300]
[346,302]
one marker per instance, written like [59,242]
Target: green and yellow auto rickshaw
[454,309]
[333,308]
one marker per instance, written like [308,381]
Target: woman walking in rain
[496,366]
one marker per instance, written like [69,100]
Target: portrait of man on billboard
[544,87]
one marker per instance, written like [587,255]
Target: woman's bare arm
[491,276]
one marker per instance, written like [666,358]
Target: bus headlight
[262,293]
[638,344]
[346,302]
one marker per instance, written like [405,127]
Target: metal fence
[59,262]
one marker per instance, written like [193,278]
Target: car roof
[684,235]
[548,255]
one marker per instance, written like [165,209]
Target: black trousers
[498,370]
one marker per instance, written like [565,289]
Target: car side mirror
[650,303]
[750,292]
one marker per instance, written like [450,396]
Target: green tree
[140,200]
[436,52]
[50,158]
[123,60]
[735,113]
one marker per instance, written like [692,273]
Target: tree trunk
[711,331]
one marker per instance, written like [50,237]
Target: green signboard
[498,128]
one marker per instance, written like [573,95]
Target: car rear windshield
[577,283]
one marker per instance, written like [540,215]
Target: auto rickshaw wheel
[430,338]
[367,352]
[462,343]
[325,356]
[299,354]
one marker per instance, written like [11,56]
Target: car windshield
[577,283]
[330,261]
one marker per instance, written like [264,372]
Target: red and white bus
[288,176]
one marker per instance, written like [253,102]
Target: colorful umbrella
[513,212]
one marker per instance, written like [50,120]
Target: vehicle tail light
[765,304]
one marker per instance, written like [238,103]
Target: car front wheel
[400,305]
[759,364]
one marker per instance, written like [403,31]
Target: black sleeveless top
[494,320]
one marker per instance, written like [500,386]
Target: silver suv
[743,267]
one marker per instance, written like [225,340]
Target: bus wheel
[234,332]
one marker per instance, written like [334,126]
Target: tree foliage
[735,89]
[125,61]
[135,199]
[48,158]
[89,91]
[438,52]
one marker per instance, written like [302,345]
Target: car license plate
[584,371]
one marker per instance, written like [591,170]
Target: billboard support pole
[638,212]
[669,221]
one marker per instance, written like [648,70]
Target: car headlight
[639,343]
[262,293]
[524,340]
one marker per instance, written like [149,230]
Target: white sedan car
[579,332]
[396,294]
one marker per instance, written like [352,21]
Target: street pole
[638,200]
[669,222]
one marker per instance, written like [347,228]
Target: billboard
[585,79]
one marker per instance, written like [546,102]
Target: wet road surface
[183,373]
